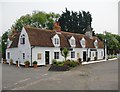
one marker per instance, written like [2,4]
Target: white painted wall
[16,53]
[51,50]
[24,48]
[13,54]
[100,56]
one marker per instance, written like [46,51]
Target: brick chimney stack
[57,27]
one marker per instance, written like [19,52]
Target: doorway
[46,57]
[84,55]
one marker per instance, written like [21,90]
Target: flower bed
[63,66]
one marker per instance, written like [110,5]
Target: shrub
[95,58]
[27,63]
[16,62]
[73,64]
[54,62]
[11,61]
[35,62]
[79,60]
[67,62]
[60,64]
[88,59]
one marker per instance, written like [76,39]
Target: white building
[45,45]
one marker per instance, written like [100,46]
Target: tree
[37,19]
[65,53]
[4,44]
[71,21]
[112,42]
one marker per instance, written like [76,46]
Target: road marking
[18,82]
[23,80]
[44,74]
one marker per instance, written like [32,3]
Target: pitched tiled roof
[43,38]
[15,41]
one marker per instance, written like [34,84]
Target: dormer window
[72,42]
[22,39]
[82,42]
[56,40]
[96,44]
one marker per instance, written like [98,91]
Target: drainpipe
[31,54]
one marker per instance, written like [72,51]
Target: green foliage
[4,44]
[65,53]
[73,63]
[112,41]
[75,22]
[38,19]
[11,61]
[35,62]
[54,62]
[27,63]
[65,63]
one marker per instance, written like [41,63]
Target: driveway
[98,76]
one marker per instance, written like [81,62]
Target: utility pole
[105,45]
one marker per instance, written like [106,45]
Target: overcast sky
[104,12]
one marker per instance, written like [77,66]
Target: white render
[17,53]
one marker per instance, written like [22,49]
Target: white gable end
[24,50]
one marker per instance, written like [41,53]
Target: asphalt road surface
[98,76]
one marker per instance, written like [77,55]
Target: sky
[104,12]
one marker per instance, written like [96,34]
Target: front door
[84,55]
[46,57]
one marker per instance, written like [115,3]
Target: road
[98,76]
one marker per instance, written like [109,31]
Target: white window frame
[72,54]
[82,42]
[96,44]
[56,55]
[22,39]
[56,41]
[72,41]
[23,54]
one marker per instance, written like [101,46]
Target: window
[39,56]
[93,54]
[56,41]
[72,54]
[8,55]
[56,55]
[23,55]
[101,53]
[82,41]
[22,39]
[96,43]
[72,42]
